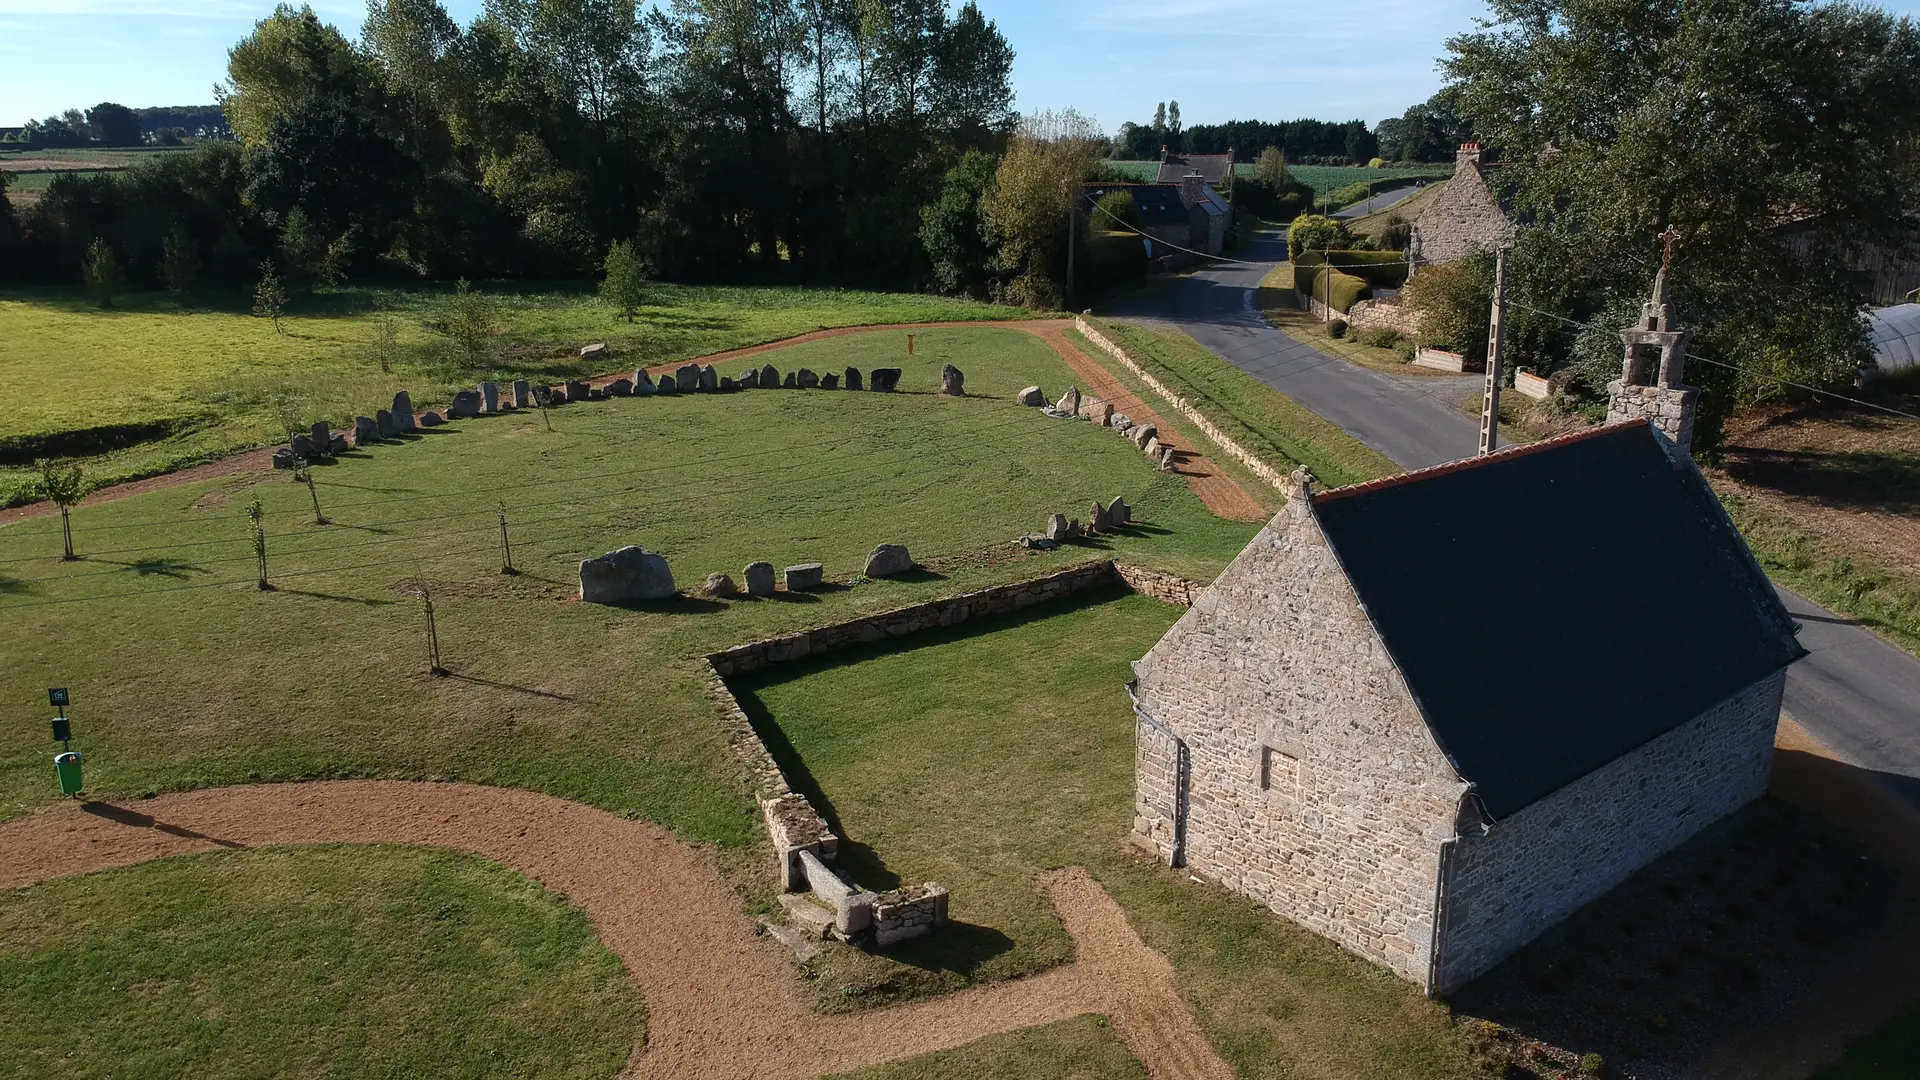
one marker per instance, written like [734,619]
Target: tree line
[1304,142]
[774,140]
[110,124]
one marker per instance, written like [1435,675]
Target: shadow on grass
[678,604]
[166,568]
[12,586]
[916,575]
[549,694]
[362,600]
[960,948]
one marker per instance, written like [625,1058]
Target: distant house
[1172,216]
[1339,728]
[1464,218]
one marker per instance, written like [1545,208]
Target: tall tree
[290,59]
[113,125]
[971,77]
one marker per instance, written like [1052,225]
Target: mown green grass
[184,675]
[1084,1048]
[1269,424]
[982,756]
[1825,570]
[216,379]
[358,961]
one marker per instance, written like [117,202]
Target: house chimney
[1193,190]
[1469,154]
[1650,387]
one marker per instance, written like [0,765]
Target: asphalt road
[1380,201]
[1855,693]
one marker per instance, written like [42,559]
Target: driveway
[1855,693]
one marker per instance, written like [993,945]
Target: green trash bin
[68,766]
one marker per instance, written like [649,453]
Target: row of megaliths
[1650,387]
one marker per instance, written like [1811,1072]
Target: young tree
[269,296]
[471,318]
[1271,168]
[385,347]
[179,262]
[307,258]
[1173,118]
[625,287]
[1454,303]
[63,488]
[1033,190]
[256,524]
[102,274]
[955,232]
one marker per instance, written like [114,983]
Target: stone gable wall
[1504,888]
[1277,661]
[1671,409]
[1463,219]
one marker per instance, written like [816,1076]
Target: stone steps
[808,915]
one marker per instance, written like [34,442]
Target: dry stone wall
[1503,888]
[1199,419]
[1313,786]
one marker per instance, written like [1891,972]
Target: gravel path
[721,1000]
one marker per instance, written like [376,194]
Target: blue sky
[1111,59]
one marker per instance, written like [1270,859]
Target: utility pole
[1496,341]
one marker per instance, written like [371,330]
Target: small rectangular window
[1279,773]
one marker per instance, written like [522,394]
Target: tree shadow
[12,586]
[362,600]
[677,604]
[916,575]
[958,947]
[166,568]
[549,694]
[133,818]
[1859,480]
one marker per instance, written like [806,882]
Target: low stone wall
[1534,386]
[1442,360]
[1384,315]
[1259,468]
[909,913]
[1168,588]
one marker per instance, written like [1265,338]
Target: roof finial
[1666,259]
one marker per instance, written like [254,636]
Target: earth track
[721,1000]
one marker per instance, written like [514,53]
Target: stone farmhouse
[1464,218]
[1356,726]
[1214,169]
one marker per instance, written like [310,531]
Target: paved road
[1855,693]
[1380,201]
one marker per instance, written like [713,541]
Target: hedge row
[1381,269]
[1347,290]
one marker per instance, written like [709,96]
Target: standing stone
[688,377]
[1069,402]
[620,388]
[1056,527]
[365,431]
[1166,459]
[1143,434]
[709,379]
[542,396]
[885,379]
[283,458]
[1098,410]
[595,393]
[642,386]
[726,383]
[338,444]
[669,384]
[1032,395]
[805,379]
[1119,512]
[769,377]
[791,382]
[383,422]
[631,573]
[302,447]
[466,404]
[853,378]
[759,577]
[595,352]
[720,585]
[489,397]
[522,394]
[402,411]
[322,438]
[577,390]
[953,382]
[829,381]
[888,560]
[1074,531]
[1121,423]
[431,419]
[801,577]
[1153,447]
[1100,521]
[750,379]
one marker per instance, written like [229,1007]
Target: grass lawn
[1266,423]
[983,755]
[1083,1048]
[174,385]
[308,961]
[184,675]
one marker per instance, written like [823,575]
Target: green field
[308,961]
[980,757]
[83,157]
[191,677]
[1322,178]
[183,384]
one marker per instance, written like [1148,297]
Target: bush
[1380,337]
[1381,269]
[1316,232]
[1345,291]
[1116,206]
[1337,328]
[1454,303]
[1593,1064]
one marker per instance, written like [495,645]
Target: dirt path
[1879,982]
[1220,493]
[722,1002]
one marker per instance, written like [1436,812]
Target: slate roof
[1211,167]
[1556,606]
[1159,203]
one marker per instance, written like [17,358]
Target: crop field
[151,385]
